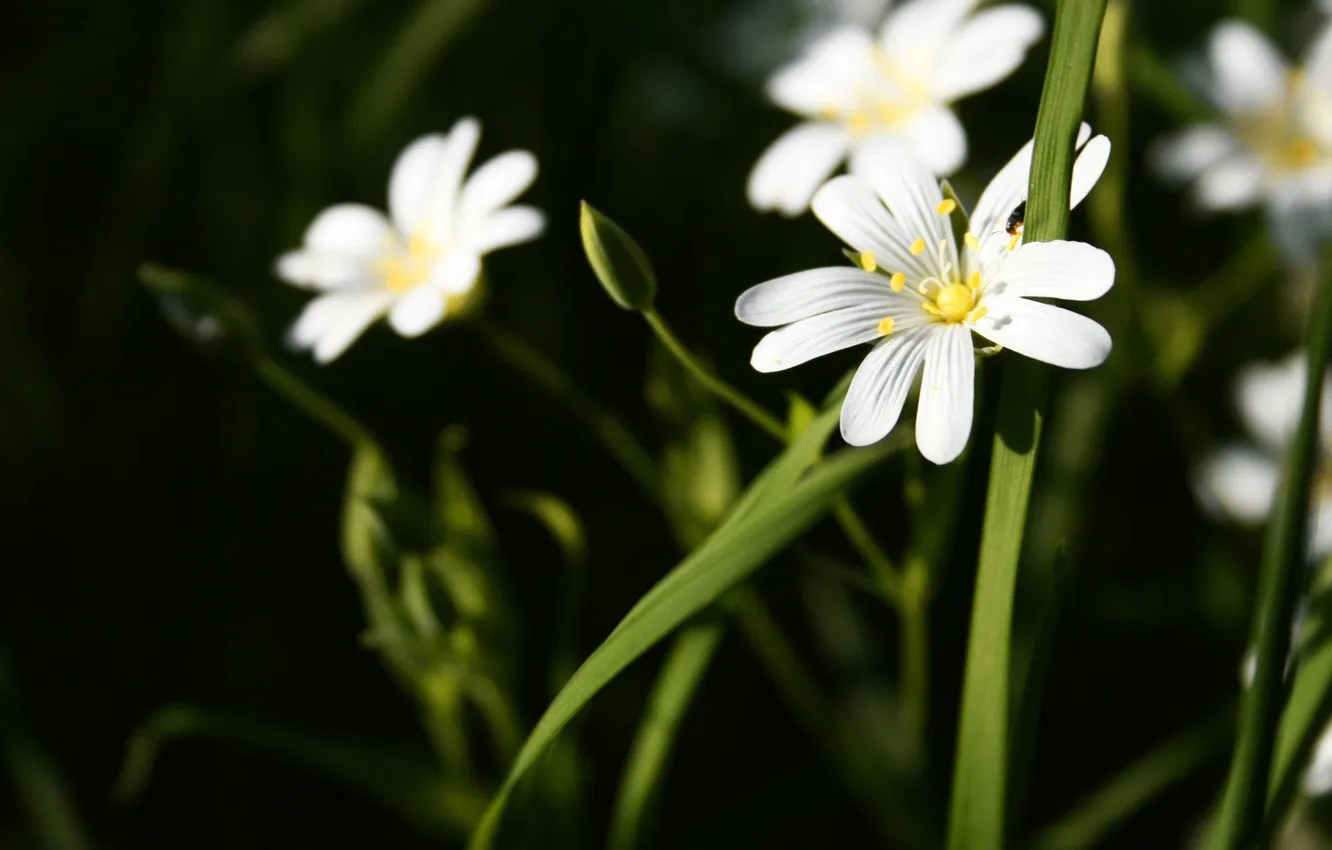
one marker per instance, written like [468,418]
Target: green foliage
[623,269]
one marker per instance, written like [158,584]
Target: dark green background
[169,525]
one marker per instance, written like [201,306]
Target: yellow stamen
[897,282]
[859,124]
[946,206]
[970,238]
[886,326]
[1299,152]
[931,309]
[1013,243]
[978,313]
[973,281]
[867,261]
[917,247]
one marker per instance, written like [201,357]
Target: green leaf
[623,269]
[203,313]
[401,781]
[765,519]
[1280,583]
[978,813]
[681,674]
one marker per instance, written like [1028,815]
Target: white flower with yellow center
[918,299]
[1273,143]
[854,89]
[1239,482]
[418,264]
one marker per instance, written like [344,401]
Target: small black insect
[1015,219]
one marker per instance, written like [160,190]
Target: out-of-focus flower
[1239,482]
[854,89]
[1272,144]
[418,264]
[918,298]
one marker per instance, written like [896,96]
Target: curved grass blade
[977,816]
[765,520]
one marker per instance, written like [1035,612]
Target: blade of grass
[1280,582]
[755,531]
[977,816]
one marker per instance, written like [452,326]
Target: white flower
[1239,482]
[1273,143]
[918,300]
[853,89]
[418,264]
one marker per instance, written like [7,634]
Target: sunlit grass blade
[401,781]
[1281,579]
[681,674]
[977,816]
[1093,820]
[754,531]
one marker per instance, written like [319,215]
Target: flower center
[954,302]
[404,270]
[889,100]
[1299,152]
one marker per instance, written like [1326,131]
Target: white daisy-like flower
[418,264]
[1239,482]
[918,298]
[853,88]
[1272,144]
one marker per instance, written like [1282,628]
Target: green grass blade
[1280,582]
[681,674]
[980,775]
[755,531]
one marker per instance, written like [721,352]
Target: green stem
[914,647]
[863,542]
[1280,582]
[723,390]
[614,436]
[978,814]
[308,399]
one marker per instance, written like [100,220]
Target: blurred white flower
[1272,144]
[418,264]
[854,89]
[918,299]
[1239,482]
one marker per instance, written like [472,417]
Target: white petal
[1237,483]
[1249,73]
[987,48]
[456,273]
[827,75]
[314,270]
[418,311]
[509,226]
[1318,778]
[947,393]
[1230,184]
[1044,332]
[496,183]
[788,172]
[330,323]
[1270,396]
[879,389]
[1314,90]
[1320,530]
[938,139]
[1074,271]
[353,230]
[426,180]
[917,32]
[906,185]
[814,337]
[809,293]
[1087,169]
[850,208]
[1184,155]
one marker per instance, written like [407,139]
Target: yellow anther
[946,206]
[1299,152]
[917,247]
[859,124]
[970,238]
[973,281]
[1013,243]
[931,309]
[867,261]
[897,282]
[978,313]
[886,326]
